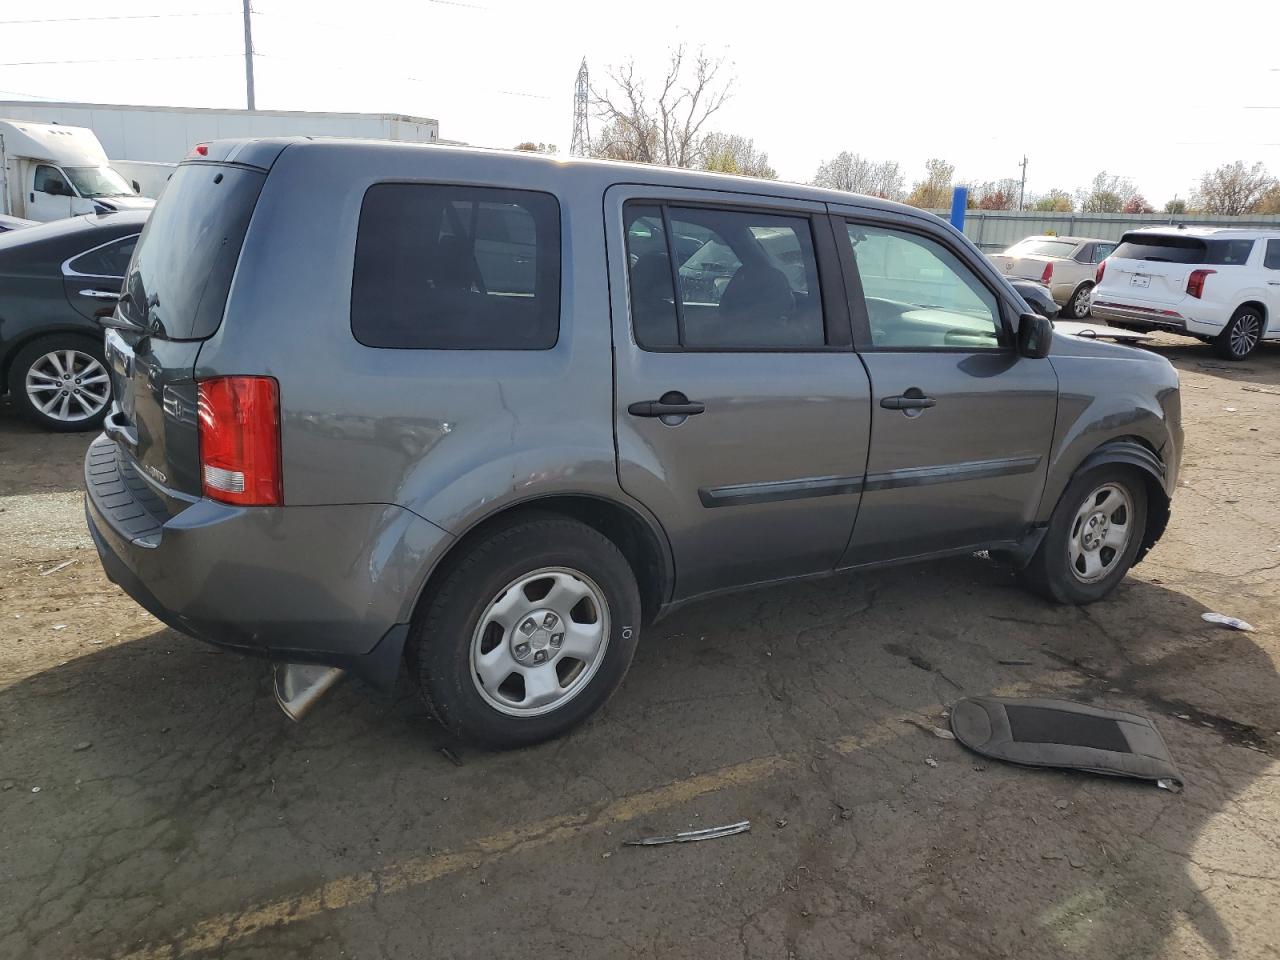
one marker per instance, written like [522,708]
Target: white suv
[1219,285]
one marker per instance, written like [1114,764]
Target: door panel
[763,481]
[968,470]
[93,279]
[41,203]
[961,425]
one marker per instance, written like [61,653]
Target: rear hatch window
[181,272]
[1157,248]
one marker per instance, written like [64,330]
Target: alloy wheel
[1245,333]
[68,385]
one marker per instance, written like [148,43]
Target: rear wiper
[115,321]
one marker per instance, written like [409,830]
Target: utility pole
[248,56]
[1022,191]
[580,143]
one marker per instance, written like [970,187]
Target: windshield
[98,182]
[1043,248]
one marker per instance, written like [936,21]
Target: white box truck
[49,171]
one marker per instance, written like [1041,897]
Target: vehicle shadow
[1260,369]
[196,799]
[33,460]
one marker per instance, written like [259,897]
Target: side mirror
[1035,333]
[136,188]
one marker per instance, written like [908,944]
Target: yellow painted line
[232,926]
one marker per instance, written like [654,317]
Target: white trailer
[167,134]
[51,171]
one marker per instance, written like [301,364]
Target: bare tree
[731,153]
[995,195]
[856,174]
[1233,189]
[934,191]
[528,146]
[1106,194]
[1270,202]
[667,128]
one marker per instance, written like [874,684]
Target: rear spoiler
[257,153]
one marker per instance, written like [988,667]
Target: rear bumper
[1134,315]
[333,585]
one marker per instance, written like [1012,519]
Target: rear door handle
[99,294]
[907,402]
[672,404]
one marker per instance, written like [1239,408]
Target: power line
[124,16]
[119,59]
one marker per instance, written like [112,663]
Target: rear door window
[747,280]
[181,272]
[1272,261]
[442,267]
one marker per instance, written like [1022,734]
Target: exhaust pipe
[300,685]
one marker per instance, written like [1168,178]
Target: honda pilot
[480,417]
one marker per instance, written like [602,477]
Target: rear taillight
[1048,273]
[1195,282]
[1097,277]
[240,441]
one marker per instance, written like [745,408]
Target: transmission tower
[580,145]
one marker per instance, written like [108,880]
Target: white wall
[166,135]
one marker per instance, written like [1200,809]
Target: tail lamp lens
[1097,277]
[240,441]
[1195,282]
[1048,273]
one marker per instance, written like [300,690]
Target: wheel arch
[640,539]
[1261,307]
[1133,451]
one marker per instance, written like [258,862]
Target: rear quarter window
[442,267]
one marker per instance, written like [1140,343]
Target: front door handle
[100,294]
[672,404]
[908,402]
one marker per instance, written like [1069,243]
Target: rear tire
[1094,535]
[60,382]
[503,652]
[1241,335]
[1077,308]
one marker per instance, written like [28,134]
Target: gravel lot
[156,803]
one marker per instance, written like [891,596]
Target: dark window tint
[746,280]
[110,260]
[181,272]
[1175,249]
[920,295]
[1272,261]
[456,268]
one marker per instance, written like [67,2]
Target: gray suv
[486,414]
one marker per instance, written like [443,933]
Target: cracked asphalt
[156,804]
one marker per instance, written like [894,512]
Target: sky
[1157,92]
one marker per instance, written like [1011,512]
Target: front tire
[1094,535]
[528,634]
[1077,307]
[1240,336]
[60,383]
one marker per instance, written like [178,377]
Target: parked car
[55,280]
[1065,265]
[375,442]
[1219,285]
[1037,296]
[14,223]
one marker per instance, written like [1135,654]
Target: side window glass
[746,280]
[920,295]
[653,302]
[1272,261]
[50,180]
[442,267]
[1086,253]
[111,260]
[1102,251]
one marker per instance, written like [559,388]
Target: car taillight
[1097,277]
[1048,273]
[1195,282]
[240,441]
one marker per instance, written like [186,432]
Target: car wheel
[1077,307]
[61,383]
[1094,534]
[528,634]
[1241,334]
